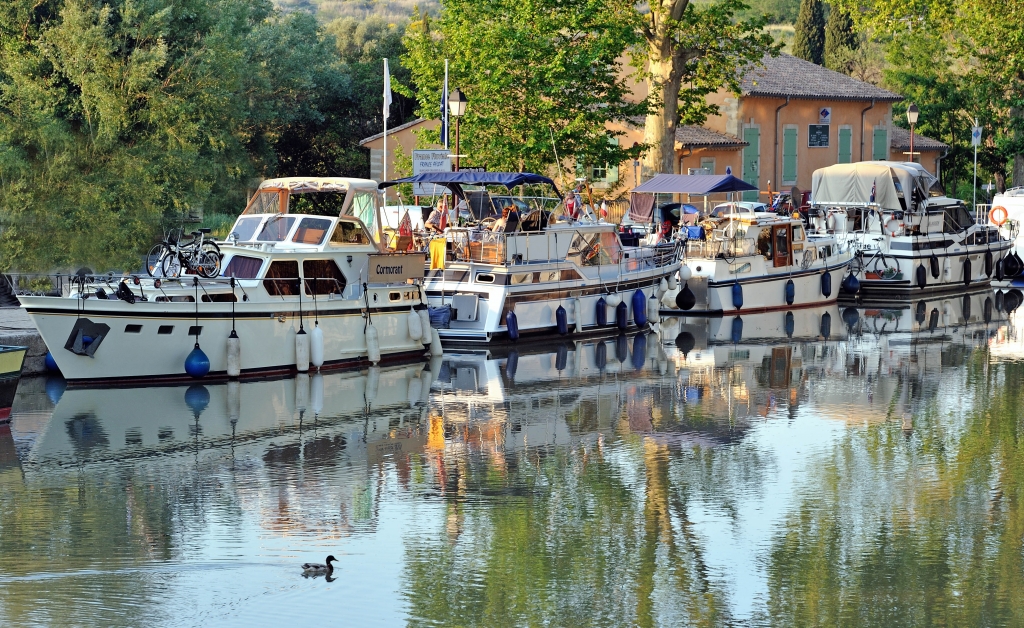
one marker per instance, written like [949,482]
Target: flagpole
[444,104]
[387,110]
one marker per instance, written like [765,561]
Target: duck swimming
[317,568]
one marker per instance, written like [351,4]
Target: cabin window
[365,209]
[219,297]
[282,278]
[133,329]
[312,231]
[348,232]
[164,330]
[265,202]
[485,278]
[276,229]
[521,278]
[245,227]
[322,276]
[317,203]
[243,267]
[764,243]
[798,232]
[195,330]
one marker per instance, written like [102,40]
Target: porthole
[485,278]
[394,296]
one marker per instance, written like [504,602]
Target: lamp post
[457,108]
[912,113]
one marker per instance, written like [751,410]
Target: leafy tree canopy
[540,75]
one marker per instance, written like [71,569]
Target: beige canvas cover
[850,184]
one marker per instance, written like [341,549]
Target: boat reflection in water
[355,410]
[710,480]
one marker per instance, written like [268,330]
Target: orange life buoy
[998,216]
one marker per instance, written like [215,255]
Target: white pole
[975,187]
[445,105]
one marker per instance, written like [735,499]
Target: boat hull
[150,341]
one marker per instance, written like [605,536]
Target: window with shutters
[845,145]
[880,144]
[789,148]
[708,163]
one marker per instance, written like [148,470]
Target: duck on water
[319,569]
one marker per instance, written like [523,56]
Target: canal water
[829,467]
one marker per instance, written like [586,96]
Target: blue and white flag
[444,108]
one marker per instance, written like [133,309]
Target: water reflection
[831,466]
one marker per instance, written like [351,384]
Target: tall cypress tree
[809,39]
[840,40]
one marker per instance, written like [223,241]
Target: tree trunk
[1000,182]
[660,126]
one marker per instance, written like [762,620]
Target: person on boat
[571,206]
[437,219]
[508,222]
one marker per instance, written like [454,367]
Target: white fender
[415,325]
[372,344]
[662,287]
[613,300]
[234,402]
[316,393]
[415,388]
[301,392]
[424,325]
[426,379]
[685,273]
[316,346]
[669,300]
[234,355]
[372,382]
[673,281]
[946,271]
[577,312]
[653,309]
[435,344]
[302,351]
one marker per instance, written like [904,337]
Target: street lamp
[457,108]
[912,113]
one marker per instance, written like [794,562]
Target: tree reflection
[921,531]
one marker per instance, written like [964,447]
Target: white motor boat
[542,275]
[302,260]
[751,262]
[908,235]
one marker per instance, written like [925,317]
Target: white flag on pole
[387,89]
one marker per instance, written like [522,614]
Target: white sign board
[396,268]
[825,115]
[430,161]
[976,136]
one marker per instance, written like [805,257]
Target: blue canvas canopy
[641,203]
[694,184]
[507,179]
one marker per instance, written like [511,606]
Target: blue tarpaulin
[507,179]
[693,184]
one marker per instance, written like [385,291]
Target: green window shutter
[880,145]
[789,155]
[708,163]
[845,146]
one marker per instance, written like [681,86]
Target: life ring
[998,215]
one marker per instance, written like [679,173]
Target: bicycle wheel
[171,265]
[209,264]
[211,246]
[155,259]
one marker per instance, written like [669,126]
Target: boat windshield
[276,229]
[245,227]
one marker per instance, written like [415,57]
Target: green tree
[982,56]
[809,38]
[840,40]
[688,51]
[541,76]
[120,117]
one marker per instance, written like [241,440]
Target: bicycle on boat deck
[198,256]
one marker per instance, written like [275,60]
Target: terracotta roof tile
[900,140]
[786,75]
[692,136]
